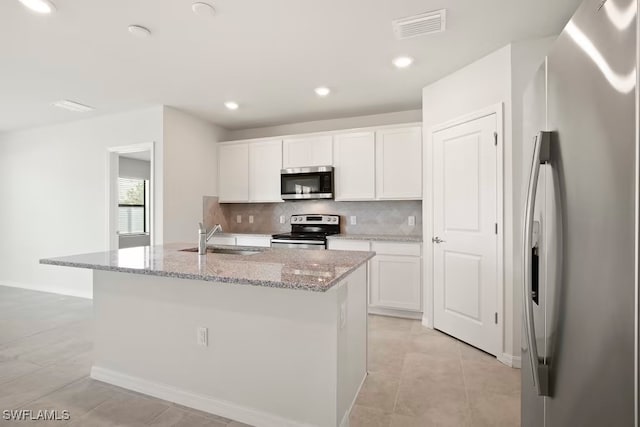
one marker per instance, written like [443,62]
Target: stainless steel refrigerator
[580,323]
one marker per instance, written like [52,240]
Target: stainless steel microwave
[314,182]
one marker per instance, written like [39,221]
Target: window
[133,205]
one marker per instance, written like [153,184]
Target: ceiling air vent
[420,25]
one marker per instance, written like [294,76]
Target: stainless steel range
[308,232]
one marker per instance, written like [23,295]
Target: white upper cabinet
[265,162]
[307,151]
[354,161]
[399,163]
[370,164]
[233,172]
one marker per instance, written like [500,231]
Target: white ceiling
[266,55]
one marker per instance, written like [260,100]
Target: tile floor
[418,377]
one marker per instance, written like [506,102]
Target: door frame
[428,206]
[113,169]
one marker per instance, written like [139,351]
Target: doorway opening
[131,196]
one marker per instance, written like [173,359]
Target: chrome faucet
[204,237]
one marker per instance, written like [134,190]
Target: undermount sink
[225,251]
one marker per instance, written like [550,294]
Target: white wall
[497,78]
[134,168]
[327,125]
[53,188]
[190,172]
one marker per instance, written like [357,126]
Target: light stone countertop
[377,237]
[315,271]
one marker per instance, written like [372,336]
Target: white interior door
[465,241]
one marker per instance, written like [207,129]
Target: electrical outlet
[412,220]
[239,219]
[282,221]
[250,219]
[353,220]
[203,336]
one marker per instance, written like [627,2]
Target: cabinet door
[307,151]
[233,173]
[396,282]
[399,163]
[354,160]
[265,162]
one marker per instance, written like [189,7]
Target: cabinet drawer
[349,245]
[223,240]
[257,241]
[397,248]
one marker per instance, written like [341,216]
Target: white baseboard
[345,418]
[426,322]
[510,360]
[395,313]
[194,400]
[50,289]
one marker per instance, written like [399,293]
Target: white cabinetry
[307,151]
[395,275]
[381,165]
[265,162]
[222,240]
[258,241]
[354,161]
[233,172]
[399,163]
[249,171]
[349,245]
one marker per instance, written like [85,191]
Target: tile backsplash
[379,217]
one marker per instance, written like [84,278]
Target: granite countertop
[377,237]
[308,270]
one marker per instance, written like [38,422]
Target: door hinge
[495,139]
[496,318]
[496,228]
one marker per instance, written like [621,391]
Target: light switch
[250,219]
[239,219]
[282,221]
[352,220]
[412,220]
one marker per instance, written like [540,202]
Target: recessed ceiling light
[203,9]
[231,105]
[139,31]
[402,61]
[73,106]
[322,91]
[39,6]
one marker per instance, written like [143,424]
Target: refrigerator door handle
[539,369]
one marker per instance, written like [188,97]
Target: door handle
[539,369]
[437,240]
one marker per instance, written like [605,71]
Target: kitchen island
[269,337]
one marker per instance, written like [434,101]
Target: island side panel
[272,357]
[352,341]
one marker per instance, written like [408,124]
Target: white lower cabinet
[257,241]
[395,282]
[223,240]
[395,275]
